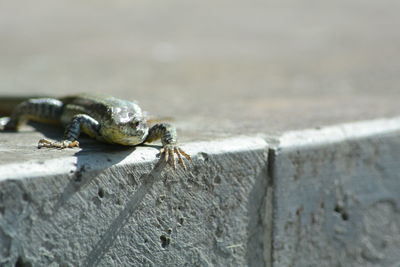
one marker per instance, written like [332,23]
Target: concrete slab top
[218,69]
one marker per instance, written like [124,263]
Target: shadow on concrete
[55,132]
[256,226]
[93,158]
[49,131]
[106,241]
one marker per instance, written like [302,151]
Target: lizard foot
[60,145]
[169,151]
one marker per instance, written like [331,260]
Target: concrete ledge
[102,209]
[318,197]
[337,199]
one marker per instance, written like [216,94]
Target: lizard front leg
[168,136]
[80,122]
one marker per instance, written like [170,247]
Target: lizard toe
[172,154]
[60,145]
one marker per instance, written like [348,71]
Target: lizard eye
[136,124]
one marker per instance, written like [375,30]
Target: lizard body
[107,119]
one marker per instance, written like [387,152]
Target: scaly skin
[104,118]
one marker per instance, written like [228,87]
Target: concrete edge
[70,164]
[290,139]
[338,133]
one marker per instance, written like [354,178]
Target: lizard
[105,118]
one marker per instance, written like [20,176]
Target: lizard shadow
[49,131]
[92,160]
[87,171]
[112,232]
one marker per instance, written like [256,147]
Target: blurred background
[289,64]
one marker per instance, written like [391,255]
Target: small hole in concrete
[78,177]
[343,214]
[219,232]
[337,209]
[181,220]
[79,173]
[217,179]
[299,211]
[169,231]
[204,156]
[313,218]
[25,197]
[100,192]
[165,241]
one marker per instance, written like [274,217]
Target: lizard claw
[60,145]
[169,151]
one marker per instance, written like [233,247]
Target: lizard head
[129,126]
[136,129]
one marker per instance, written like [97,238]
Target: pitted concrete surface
[240,80]
[105,209]
[337,196]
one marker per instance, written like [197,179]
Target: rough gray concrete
[119,209]
[319,197]
[336,196]
[220,71]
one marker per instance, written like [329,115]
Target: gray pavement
[258,66]
[240,80]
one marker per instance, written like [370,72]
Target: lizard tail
[8,103]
